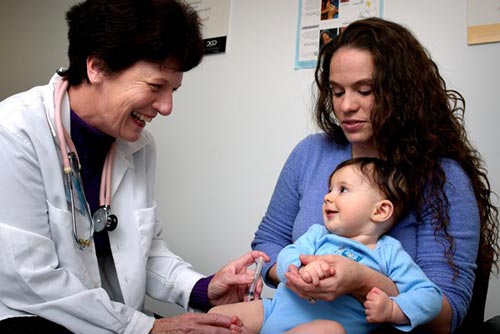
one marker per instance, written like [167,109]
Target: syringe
[251,290]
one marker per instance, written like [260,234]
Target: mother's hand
[348,277]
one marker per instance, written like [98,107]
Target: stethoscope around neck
[102,219]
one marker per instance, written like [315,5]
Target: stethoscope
[102,219]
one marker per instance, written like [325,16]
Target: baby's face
[348,205]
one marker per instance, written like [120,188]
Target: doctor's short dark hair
[386,178]
[123,32]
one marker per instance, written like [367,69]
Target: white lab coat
[42,271]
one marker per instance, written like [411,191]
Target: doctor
[80,239]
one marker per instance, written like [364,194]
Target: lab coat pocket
[146,221]
[70,257]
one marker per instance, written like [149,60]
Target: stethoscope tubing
[71,168]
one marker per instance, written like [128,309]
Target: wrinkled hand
[198,323]
[378,306]
[345,278]
[232,281]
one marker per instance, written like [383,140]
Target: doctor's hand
[233,280]
[198,323]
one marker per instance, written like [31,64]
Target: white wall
[239,114]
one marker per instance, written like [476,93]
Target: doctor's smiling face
[124,102]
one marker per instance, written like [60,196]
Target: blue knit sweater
[296,205]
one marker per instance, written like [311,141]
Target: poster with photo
[214,15]
[319,21]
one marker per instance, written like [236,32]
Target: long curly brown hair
[416,123]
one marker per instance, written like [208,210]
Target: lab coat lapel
[124,160]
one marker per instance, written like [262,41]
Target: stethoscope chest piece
[104,220]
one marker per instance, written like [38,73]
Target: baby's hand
[237,326]
[316,271]
[378,306]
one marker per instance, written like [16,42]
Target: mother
[381,95]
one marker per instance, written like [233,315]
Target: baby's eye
[342,189]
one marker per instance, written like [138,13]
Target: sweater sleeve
[275,229]
[199,295]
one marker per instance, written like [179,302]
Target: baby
[366,197]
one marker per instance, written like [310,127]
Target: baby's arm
[380,308]
[316,271]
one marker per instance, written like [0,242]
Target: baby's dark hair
[386,178]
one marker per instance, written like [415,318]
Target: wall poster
[214,15]
[319,21]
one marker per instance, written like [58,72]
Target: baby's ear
[383,211]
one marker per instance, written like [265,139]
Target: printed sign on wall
[214,15]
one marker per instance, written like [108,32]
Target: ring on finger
[312,300]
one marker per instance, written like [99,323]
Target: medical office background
[239,114]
